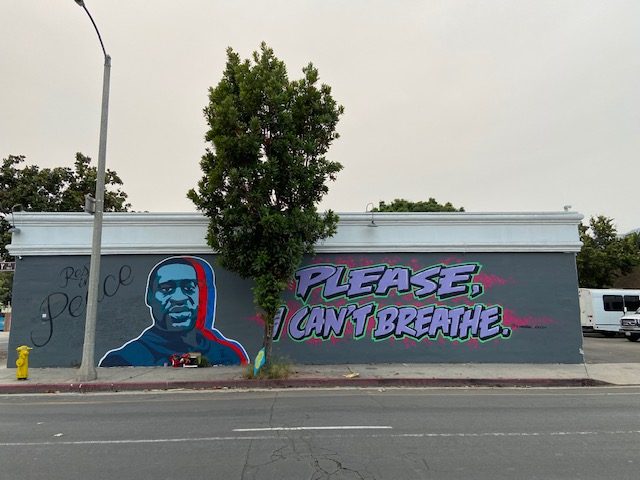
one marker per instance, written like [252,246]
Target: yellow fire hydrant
[22,362]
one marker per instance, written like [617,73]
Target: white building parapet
[173,233]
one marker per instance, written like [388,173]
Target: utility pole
[88,370]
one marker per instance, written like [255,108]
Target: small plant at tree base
[277,369]
[266,173]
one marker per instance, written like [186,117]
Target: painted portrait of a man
[181,296]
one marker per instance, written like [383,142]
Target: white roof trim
[171,233]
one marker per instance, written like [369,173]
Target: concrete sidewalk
[42,380]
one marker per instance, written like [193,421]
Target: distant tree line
[605,256]
[402,205]
[58,189]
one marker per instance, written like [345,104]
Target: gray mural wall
[339,308]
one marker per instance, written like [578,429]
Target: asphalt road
[320,434]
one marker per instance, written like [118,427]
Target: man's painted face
[174,297]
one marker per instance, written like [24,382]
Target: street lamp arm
[81,3]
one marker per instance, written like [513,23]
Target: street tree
[6,279]
[604,255]
[402,205]
[58,189]
[266,173]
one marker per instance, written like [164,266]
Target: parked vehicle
[602,309]
[630,325]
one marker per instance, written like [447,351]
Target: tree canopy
[59,189]
[604,255]
[402,205]
[266,172]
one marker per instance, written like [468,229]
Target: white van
[602,309]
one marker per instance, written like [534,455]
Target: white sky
[491,105]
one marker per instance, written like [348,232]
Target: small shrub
[279,369]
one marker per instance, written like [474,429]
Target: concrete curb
[90,387]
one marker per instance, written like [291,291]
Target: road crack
[246,461]
[273,404]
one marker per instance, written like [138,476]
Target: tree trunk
[268,339]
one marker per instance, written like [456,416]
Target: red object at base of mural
[184,360]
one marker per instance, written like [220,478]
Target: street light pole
[88,367]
